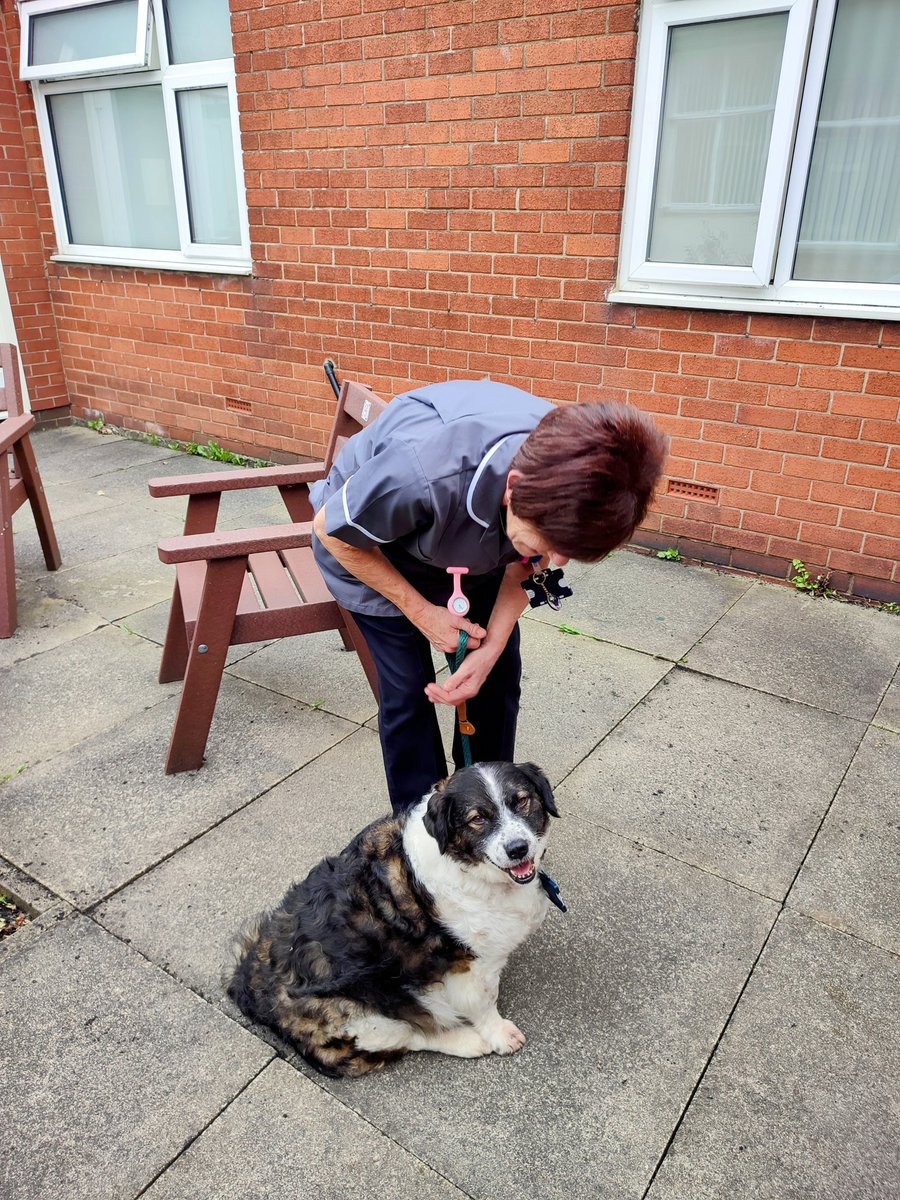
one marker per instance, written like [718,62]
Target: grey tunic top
[425,484]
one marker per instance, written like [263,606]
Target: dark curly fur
[357,934]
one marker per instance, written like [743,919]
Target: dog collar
[551,887]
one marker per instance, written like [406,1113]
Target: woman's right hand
[441,628]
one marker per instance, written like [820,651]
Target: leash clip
[551,887]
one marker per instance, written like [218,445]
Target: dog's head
[494,813]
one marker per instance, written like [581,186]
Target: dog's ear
[542,783]
[437,816]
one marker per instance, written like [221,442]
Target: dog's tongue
[523,870]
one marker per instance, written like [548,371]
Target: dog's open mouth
[522,872]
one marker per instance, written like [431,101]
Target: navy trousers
[411,745]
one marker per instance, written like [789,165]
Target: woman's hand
[467,682]
[442,627]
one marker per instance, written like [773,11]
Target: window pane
[199,30]
[97,31]
[721,85]
[208,152]
[850,230]
[114,167]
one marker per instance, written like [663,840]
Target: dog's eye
[522,804]
[476,821]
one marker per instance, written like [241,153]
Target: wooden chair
[19,481]
[248,585]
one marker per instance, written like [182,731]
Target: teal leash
[454,661]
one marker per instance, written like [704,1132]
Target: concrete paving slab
[800,1100]
[313,669]
[249,507]
[574,691]
[151,623]
[92,536]
[646,604]
[115,1067]
[835,656]
[56,449]
[42,907]
[284,1136]
[55,700]
[621,999]
[65,820]
[731,780]
[184,913]
[888,714]
[93,455]
[115,587]
[555,668]
[68,501]
[849,879]
[44,623]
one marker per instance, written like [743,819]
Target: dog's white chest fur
[480,906]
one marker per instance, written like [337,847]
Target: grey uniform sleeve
[385,499]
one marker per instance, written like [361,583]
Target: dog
[397,943]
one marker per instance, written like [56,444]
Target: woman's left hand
[466,682]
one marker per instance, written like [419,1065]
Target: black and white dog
[398,942]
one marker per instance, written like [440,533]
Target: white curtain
[205,121]
[113,156]
[850,230]
[721,85]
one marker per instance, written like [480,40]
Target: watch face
[460,606]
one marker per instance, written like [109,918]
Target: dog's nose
[516,850]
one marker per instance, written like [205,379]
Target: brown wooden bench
[19,481]
[248,585]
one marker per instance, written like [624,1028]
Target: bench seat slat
[273,581]
[306,575]
[191,577]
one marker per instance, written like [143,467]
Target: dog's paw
[463,1042]
[505,1038]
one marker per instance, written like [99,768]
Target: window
[765,160]
[83,36]
[138,116]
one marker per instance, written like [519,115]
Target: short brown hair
[588,475]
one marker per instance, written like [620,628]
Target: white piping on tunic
[350,521]
[475,478]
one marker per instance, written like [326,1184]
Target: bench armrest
[14,428]
[234,543]
[232,481]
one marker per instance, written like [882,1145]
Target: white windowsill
[149,264]
[797,308]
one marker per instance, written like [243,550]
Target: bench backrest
[358,406]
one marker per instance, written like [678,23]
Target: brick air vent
[238,405]
[693,491]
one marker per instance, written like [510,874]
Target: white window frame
[172,79]
[767,286]
[135,60]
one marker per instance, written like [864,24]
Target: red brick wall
[25,235]
[435,191]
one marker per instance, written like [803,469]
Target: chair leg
[206,661]
[8,609]
[361,646]
[34,489]
[175,647]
